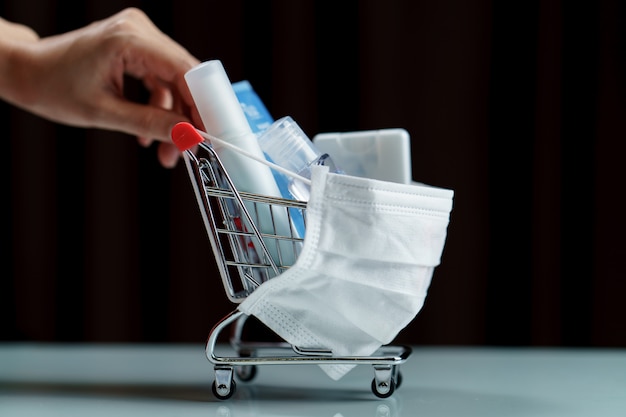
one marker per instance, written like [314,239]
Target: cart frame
[244,262]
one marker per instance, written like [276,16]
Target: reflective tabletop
[175,380]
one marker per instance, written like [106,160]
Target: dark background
[517,106]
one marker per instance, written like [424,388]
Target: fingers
[145,121]
[146,53]
[150,53]
[159,98]
[102,53]
[154,58]
[168,155]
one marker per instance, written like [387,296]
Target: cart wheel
[246,373]
[382,390]
[221,392]
[399,379]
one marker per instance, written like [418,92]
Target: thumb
[143,121]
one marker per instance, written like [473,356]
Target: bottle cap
[216,101]
[287,145]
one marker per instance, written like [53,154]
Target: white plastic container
[383,154]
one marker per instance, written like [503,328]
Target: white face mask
[368,257]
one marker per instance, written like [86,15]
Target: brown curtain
[517,107]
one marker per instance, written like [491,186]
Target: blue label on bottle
[259,119]
[257,114]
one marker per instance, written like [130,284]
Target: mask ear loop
[243,152]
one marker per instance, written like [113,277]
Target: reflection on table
[166,380]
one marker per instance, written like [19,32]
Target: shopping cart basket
[244,259]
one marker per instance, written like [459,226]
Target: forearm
[15,43]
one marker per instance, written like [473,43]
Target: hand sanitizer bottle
[285,144]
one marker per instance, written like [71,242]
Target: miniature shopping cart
[243,251]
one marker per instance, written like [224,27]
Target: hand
[77,78]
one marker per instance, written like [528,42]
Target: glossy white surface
[174,380]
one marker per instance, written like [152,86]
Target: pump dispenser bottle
[285,144]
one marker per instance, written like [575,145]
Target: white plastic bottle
[223,118]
